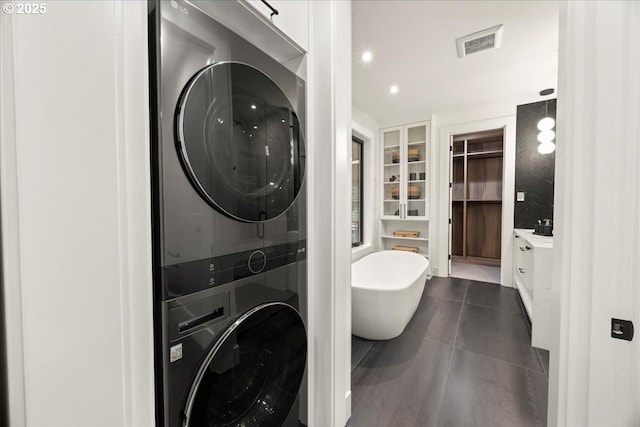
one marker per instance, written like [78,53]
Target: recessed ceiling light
[367,56]
[253,106]
[393,89]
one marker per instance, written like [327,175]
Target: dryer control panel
[190,277]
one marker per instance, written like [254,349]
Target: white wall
[76,182]
[10,270]
[594,379]
[488,112]
[365,128]
[329,89]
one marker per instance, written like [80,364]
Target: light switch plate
[520,196]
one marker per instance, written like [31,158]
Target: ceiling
[413,45]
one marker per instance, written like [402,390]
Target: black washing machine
[229,225]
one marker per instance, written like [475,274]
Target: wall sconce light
[545,126]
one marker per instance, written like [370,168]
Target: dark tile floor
[465,359]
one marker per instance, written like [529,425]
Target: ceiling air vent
[491,38]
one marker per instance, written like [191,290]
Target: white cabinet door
[416,160]
[405,171]
[392,171]
[292,17]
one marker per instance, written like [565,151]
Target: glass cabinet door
[416,170]
[392,173]
[240,142]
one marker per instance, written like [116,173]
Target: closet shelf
[421,239]
[485,154]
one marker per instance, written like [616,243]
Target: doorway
[476,177]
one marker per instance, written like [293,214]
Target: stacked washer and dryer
[229,226]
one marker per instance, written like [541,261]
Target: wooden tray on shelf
[413,249]
[403,233]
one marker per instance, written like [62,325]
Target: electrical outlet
[520,196]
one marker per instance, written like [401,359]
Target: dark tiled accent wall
[534,171]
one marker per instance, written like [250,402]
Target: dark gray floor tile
[446,287]
[486,392]
[544,357]
[499,334]
[359,348]
[435,319]
[400,382]
[492,295]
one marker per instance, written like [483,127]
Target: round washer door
[252,374]
[240,142]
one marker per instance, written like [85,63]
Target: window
[356,192]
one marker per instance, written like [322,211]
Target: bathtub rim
[408,285]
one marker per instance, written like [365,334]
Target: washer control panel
[189,277]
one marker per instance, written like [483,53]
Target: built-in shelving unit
[476,197]
[406,185]
[420,226]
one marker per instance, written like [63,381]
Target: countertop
[534,239]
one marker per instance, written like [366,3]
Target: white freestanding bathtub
[386,288]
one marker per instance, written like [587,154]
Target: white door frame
[595,379]
[508,123]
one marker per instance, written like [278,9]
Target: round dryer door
[252,374]
[240,142]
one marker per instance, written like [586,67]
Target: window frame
[360,142]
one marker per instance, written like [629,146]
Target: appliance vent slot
[491,38]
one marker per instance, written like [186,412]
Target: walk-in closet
[476,197]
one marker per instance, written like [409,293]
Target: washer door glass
[252,374]
[240,142]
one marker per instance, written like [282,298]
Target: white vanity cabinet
[292,18]
[532,276]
